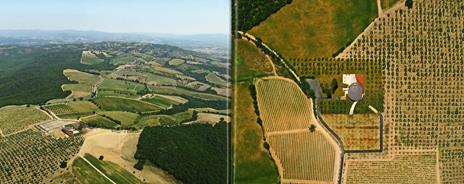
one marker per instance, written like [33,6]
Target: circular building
[355,92]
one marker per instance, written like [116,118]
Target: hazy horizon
[118,16]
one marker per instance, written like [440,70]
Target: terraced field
[17,118]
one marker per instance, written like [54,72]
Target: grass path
[101,173]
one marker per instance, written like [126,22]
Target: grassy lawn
[125,104]
[126,118]
[86,174]
[161,101]
[113,171]
[16,118]
[252,162]
[314,28]
[99,121]
[250,62]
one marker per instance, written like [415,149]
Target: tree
[63,164]
[312,128]
[408,4]
[334,85]
[101,157]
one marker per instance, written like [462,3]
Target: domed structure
[355,92]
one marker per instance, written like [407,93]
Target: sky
[128,16]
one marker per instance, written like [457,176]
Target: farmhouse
[70,131]
[355,89]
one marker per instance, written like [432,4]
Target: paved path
[101,173]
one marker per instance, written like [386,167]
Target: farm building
[70,131]
[355,89]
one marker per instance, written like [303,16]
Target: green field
[86,174]
[147,121]
[16,118]
[113,171]
[126,118]
[252,162]
[175,118]
[88,58]
[169,90]
[113,87]
[99,121]
[124,59]
[125,104]
[72,109]
[145,77]
[85,84]
[161,101]
[166,70]
[176,62]
[250,62]
[214,79]
[314,28]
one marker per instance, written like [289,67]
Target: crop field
[86,174]
[100,122]
[147,121]
[125,118]
[166,70]
[401,169]
[161,101]
[176,62]
[175,119]
[16,118]
[211,118]
[287,117]
[214,79]
[358,131]
[250,62]
[282,105]
[305,156]
[124,59]
[144,77]
[169,90]
[252,162]
[113,171]
[72,109]
[89,58]
[119,87]
[85,84]
[30,157]
[124,104]
[373,71]
[299,30]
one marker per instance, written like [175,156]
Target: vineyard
[402,169]
[72,109]
[305,156]
[358,131]
[30,157]
[282,105]
[301,147]
[372,70]
[13,119]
